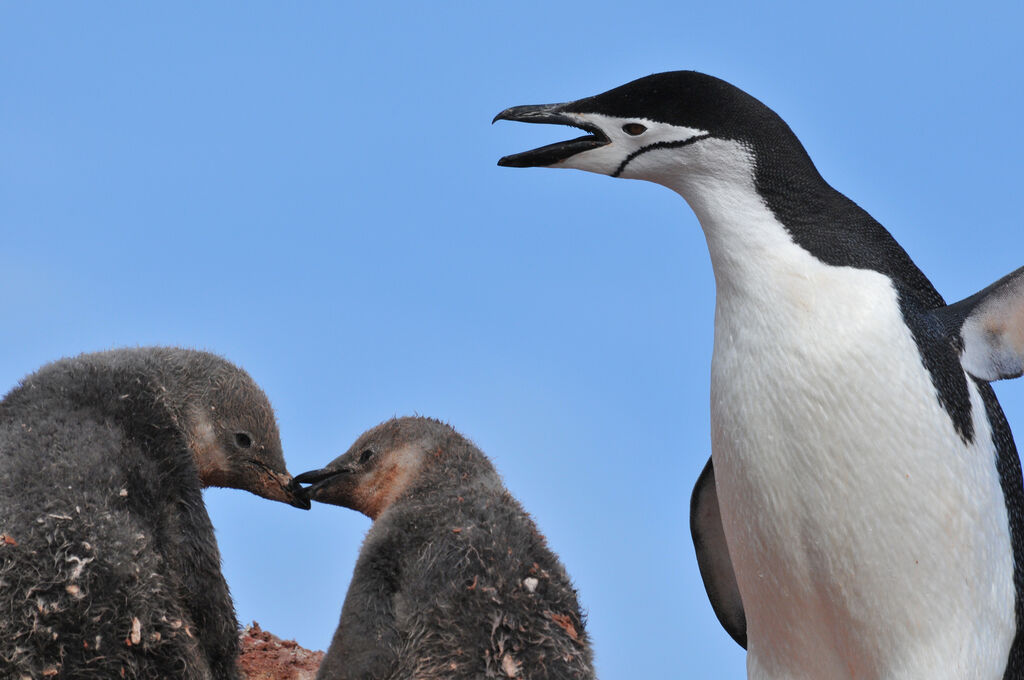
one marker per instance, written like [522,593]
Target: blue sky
[311,190]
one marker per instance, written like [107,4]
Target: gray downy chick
[108,563]
[454,580]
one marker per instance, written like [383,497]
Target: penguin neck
[765,213]
[749,246]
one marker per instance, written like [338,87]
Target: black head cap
[683,98]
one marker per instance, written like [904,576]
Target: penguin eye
[634,129]
[242,440]
[365,456]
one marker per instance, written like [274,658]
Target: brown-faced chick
[108,563]
[454,579]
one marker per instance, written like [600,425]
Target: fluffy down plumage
[108,563]
[454,579]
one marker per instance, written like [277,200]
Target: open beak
[320,480]
[552,153]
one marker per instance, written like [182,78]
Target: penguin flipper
[713,557]
[991,326]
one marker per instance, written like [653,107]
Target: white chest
[869,541]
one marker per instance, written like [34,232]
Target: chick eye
[365,456]
[242,440]
[634,129]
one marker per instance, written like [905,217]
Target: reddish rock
[267,657]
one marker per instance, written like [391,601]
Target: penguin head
[398,457]
[232,432]
[656,128]
[375,471]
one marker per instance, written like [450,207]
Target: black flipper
[990,325]
[713,557]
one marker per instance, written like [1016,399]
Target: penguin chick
[108,563]
[454,580]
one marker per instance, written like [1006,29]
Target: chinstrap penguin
[862,515]
[454,580]
[108,563]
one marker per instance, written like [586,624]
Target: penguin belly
[869,540]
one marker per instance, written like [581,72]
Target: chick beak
[320,479]
[281,487]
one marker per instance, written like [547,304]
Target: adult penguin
[863,515]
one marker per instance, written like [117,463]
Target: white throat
[716,177]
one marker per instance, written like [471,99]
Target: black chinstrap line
[654,147]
